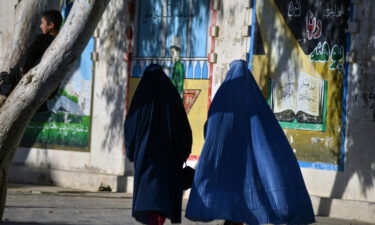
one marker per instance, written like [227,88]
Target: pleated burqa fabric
[247,171]
[158,140]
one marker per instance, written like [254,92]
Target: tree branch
[27,14]
[35,87]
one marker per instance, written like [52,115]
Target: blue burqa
[247,171]
[158,140]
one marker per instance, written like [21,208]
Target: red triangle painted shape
[190,96]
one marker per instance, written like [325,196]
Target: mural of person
[178,72]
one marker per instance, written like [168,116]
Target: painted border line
[345,94]
[252,38]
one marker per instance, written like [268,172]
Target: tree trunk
[3,187]
[35,86]
[27,14]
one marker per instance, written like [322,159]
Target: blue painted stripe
[205,70]
[345,96]
[252,38]
[171,69]
[164,66]
[143,67]
[200,71]
[190,70]
[184,64]
[319,166]
[197,72]
[136,70]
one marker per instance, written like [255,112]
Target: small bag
[188,177]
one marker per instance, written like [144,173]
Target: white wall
[230,45]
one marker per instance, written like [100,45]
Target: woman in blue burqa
[247,171]
[158,140]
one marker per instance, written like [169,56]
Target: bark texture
[35,86]
[27,15]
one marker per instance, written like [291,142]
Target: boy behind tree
[50,25]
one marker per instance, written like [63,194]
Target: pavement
[44,205]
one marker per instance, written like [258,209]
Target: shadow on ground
[29,223]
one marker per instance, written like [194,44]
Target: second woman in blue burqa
[247,171]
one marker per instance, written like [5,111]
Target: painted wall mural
[64,121]
[298,61]
[174,34]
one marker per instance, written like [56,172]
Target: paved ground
[38,205]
